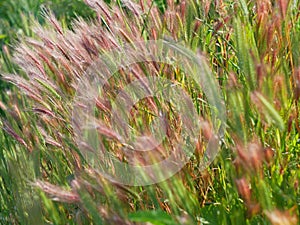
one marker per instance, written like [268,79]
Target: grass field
[252,51]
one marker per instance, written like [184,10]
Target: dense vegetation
[252,48]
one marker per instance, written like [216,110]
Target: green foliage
[154,217]
[161,4]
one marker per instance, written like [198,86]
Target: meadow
[249,48]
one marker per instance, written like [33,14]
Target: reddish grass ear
[57,193]
[278,217]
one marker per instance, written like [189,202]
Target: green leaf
[271,112]
[90,206]
[244,42]
[213,214]
[155,217]
[49,88]
[161,4]
[244,7]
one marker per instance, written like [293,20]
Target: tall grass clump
[252,49]
[18,16]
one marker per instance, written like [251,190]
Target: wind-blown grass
[251,47]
